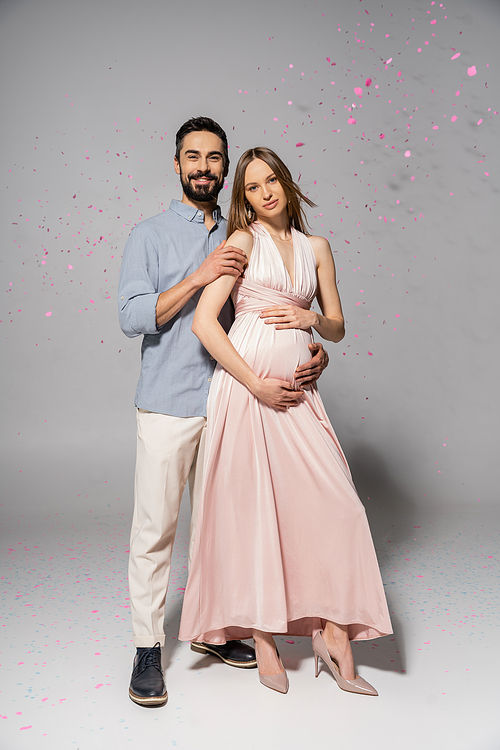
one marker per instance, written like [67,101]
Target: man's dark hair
[197,124]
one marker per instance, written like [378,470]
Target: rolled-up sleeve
[138,285]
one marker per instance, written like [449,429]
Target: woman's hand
[289,316]
[276,393]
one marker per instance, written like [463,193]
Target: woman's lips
[271,205]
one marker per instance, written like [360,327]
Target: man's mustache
[197,175]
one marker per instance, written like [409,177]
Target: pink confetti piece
[99,685]
[299,144]
[30,727]
[471,71]
[382,136]
[70,266]
[454,57]
[370,354]
[351,121]
[368,82]
[479,121]
[290,102]
[407,153]
[359,92]
[454,118]
[48,314]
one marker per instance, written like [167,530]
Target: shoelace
[149,658]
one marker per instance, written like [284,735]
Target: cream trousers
[169,453]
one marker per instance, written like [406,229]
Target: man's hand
[309,372]
[225,259]
[277,393]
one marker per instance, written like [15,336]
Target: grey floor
[67,650]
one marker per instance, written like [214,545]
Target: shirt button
[199,213]
[209,380]
[213,360]
[122,297]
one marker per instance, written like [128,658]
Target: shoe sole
[231,662]
[157,700]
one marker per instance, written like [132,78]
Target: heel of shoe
[357,685]
[199,648]
[316,668]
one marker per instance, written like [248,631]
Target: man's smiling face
[201,166]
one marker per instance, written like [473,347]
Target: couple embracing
[279,540]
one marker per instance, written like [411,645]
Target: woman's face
[263,190]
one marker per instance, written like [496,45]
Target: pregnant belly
[269,352]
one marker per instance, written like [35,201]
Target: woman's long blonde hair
[237,217]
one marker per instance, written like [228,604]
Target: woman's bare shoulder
[319,243]
[321,247]
[241,239]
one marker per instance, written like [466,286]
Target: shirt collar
[193,214]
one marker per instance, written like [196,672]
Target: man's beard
[202,193]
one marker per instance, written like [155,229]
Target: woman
[279,509]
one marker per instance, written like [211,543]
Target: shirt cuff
[145,313]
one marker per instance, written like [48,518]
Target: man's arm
[142,308]
[225,259]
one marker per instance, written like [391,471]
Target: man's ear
[176,165]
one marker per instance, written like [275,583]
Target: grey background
[93,94]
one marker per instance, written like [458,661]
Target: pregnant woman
[283,544]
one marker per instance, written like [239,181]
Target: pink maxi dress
[282,539]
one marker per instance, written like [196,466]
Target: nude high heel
[278,681]
[358,685]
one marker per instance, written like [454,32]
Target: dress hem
[306,626]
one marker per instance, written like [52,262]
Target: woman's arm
[329,325]
[223,260]
[276,393]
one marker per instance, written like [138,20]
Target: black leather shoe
[234,653]
[147,686]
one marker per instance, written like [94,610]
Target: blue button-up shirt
[176,370]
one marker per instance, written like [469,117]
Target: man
[167,262]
